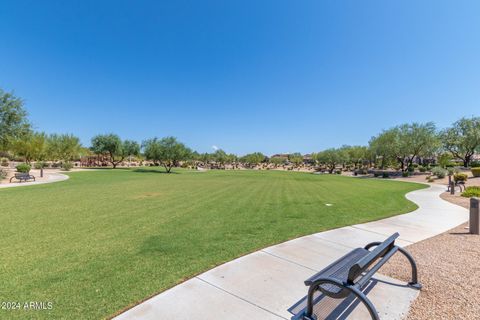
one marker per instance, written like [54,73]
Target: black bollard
[474,216]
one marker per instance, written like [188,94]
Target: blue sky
[270,76]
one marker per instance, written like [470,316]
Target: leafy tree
[357,155]
[220,157]
[384,147]
[406,142]
[330,158]
[277,161]
[462,140]
[112,146]
[253,159]
[233,160]
[131,148]
[205,158]
[13,120]
[444,159]
[65,147]
[30,147]
[167,151]
[295,158]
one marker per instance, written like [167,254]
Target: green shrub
[3,174]
[476,172]
[338,171]
[431,179]
[4,162]
[422,169]
[39,165]
[439,172]
[473,191]
[56,165]
[23,167]
[411,169]
[67,166]
[460,177]
[385,175]
[475,164]
[405,174]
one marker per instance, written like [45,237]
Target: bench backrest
[22,174]
[362,265]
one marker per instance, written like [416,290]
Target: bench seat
[338,270]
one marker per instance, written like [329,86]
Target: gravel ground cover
[449,269]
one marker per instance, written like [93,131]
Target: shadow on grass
[144,170]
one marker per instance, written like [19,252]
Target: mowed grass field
[105,240]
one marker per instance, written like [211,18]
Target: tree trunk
[402,164]
[466,160]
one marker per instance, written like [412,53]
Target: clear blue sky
[270,76]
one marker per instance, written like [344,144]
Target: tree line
[397,147]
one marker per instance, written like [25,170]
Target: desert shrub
[385,175]
[3,174]
[4,162]
[338,171]
[361,171]
[460,177]
[39,165]
[475,164]
[411,169]
[405,174]
[67,165]
[431,179]
[473,191]
[476,172]
[439,172]
[23,167]
[376,174]
[422,169]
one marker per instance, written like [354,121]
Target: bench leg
[414,283]
[353,289]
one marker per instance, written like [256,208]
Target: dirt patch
[147,195]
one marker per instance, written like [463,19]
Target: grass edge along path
[103,241]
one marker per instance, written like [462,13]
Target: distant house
[280,155]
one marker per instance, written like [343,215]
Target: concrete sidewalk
[52,177]
[264,284]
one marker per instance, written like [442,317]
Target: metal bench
[459,184]
[21,176]
[347,278]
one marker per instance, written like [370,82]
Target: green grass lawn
[105,240]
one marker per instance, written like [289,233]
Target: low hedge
[23,168]
[460,177]
[473,191]
[4,162]
[67,166]
[476,172]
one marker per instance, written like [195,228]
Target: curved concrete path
[52,177]
[264,284]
